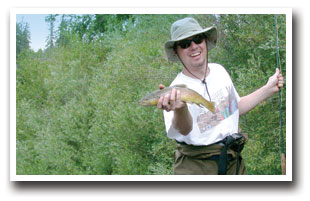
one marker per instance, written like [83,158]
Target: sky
[38,29]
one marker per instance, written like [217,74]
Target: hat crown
[184,27]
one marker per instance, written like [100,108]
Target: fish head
[147,101]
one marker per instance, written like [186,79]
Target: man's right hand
[171,100]
[182,119]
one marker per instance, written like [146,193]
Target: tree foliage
[50,19]
[22,38]
[77,110]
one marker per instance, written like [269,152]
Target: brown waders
[220,158]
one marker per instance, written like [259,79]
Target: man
[207,143]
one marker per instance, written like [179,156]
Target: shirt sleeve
[236,94]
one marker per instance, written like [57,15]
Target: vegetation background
[76,100]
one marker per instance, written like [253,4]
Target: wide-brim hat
[186,28]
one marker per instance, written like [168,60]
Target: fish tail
[213,107]
[209,105]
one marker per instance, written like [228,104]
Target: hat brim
[211,33]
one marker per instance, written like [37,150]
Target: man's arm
[250,101]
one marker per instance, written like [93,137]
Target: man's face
[193,54]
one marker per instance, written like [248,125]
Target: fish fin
[213,107]
[180,85]
[161,86]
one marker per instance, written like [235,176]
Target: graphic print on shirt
[226,105]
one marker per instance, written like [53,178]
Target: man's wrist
[268,91]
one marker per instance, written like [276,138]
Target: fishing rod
[283,157]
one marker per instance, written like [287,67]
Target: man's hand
[182,119]
[275,82]
[170,101]
[247,103]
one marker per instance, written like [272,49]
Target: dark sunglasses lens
[186,43]
[197,39]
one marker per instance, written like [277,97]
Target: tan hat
[186,28]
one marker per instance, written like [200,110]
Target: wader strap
[223,161]
[228,142]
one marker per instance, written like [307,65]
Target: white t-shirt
[208,128]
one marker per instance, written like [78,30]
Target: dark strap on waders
[230,140]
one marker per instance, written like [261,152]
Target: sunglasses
[184,44]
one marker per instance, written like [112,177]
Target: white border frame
[158,10]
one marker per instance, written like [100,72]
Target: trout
[187,95]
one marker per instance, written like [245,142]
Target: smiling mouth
[195,54]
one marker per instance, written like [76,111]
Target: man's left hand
[275,82]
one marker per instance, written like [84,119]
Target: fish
[187,95]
